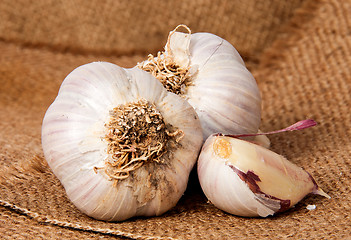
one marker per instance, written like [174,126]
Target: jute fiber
[299,52]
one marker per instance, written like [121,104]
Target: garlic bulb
[245,179]
[209,72]
[120,144]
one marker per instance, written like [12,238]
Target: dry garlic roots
[248,180]
[210,74]
[120,144]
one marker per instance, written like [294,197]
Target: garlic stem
[168,45]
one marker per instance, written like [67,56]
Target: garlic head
[246,179]
[209,72]
[120,144]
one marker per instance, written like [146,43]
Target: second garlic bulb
[209,72]
[120,144]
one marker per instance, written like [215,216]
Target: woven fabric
[298,51]
[127,27]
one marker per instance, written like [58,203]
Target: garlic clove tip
[320,192]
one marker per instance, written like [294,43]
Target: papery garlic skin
[248,180]
[73,133]
[223,92]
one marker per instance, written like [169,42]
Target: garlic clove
[245,179]
[111,168]
[209,72]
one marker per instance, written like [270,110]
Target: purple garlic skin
[248,180]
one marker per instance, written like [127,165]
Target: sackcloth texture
[298,50]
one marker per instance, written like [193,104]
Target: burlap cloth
[299,52]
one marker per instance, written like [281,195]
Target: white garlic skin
[248,180]
[72,140]
[224,93]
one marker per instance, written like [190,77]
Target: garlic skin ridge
[73,133]
[248,180]
[222,91]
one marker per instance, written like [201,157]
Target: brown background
[298,50]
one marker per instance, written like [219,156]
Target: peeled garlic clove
[209,72]
[245,179]
[120,144]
